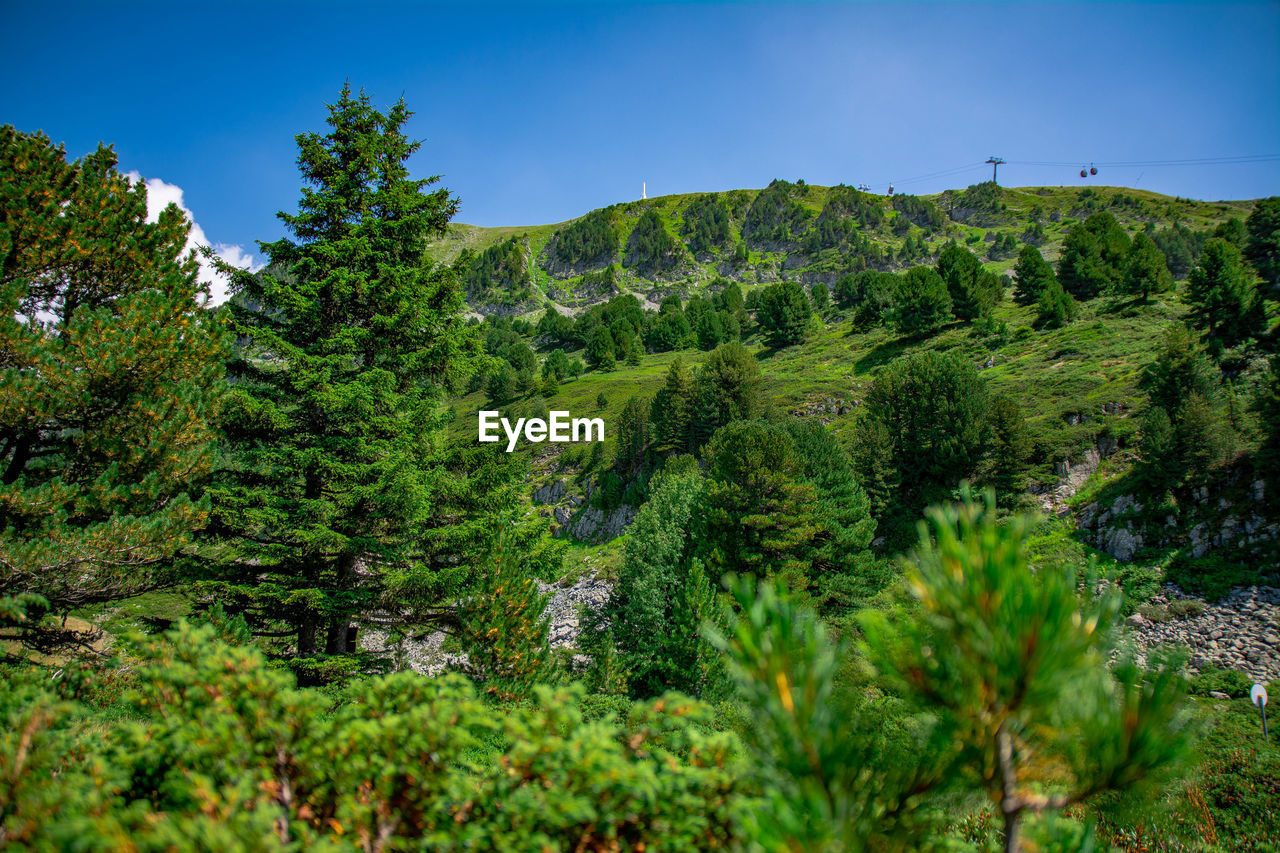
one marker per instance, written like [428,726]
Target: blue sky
[539,112]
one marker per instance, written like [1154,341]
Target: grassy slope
[1068,205]
[1054,375]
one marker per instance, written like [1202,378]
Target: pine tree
[1224,301]
[820,296]
[934,408]
[1033,274]
[672,409]
[1262,247]
[923,304]
[600,350]
[842,568]
[1093,254]
[757,513]
[784,313]
[1055,307]
[726,388]
[503,627]
[1267,406]
[973,290]
[632,432]
[1012,666]
[110,376]
[635,351]
[328,494]
[501,386]
[1145,271]
[662,594]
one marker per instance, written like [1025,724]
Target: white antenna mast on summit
[644,190]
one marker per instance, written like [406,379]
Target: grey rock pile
[1240,632]
[566,604]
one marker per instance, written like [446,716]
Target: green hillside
[914,522]
[1075,383]
[798,231]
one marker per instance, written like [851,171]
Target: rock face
[566,603]
[587,523]
[1072,477]
[426,655]
[595,525]
[1114,526]
[1241,632]
[1244,527]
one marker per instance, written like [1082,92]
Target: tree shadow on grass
[882,354]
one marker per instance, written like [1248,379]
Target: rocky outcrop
[565,608]
[571,515]
[550,493]
[1072,476]
[825,409]
[591,524]
[1240,632]
[1202,525]
[563,611]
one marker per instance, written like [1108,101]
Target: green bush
[1213,678]
[1211,576]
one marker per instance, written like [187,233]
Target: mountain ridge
[684,243]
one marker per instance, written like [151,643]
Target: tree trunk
[1012,829]
[336,638]
[307,638]
[1010,803]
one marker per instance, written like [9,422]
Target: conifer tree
[600,350]
[1093,256]
[1033,274]
[334,473]
[841,567]
[672,409]
[1144,269]
[1224,300]
[1055,307]
[632,436]
[974,291]
[1012,666]
[1262,246]
[922,303]
[758,513]
[503,626]
[110,373]
[784,313]
[663,594]
[727,388]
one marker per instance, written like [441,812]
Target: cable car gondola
[1083,172]
[1093,170]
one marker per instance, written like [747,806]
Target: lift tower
[995,164]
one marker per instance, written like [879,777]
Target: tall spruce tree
[1262,247]
[672,409]
[334,473]
[784,313]
[110,372]
[1224,301]
[1144,270]
[1033,274]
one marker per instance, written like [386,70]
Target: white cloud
[159,196]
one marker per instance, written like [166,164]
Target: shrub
[1214,679]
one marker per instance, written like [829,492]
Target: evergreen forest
[941,522]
